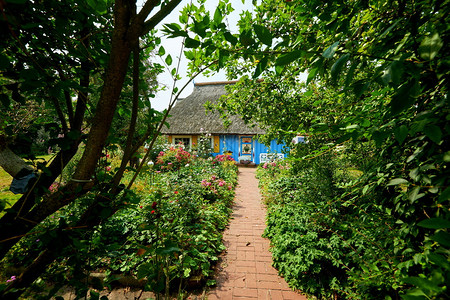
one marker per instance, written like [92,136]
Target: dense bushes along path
[246,269]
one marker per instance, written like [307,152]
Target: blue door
[246,148]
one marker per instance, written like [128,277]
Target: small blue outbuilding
[190,121]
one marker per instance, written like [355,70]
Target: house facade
[190,122]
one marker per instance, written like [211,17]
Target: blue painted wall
[232,143]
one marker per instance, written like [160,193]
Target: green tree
[55,55]
[376,75]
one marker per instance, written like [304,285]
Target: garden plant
[365,81]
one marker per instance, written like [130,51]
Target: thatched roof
[189,115]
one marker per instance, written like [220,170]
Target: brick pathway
[246,270]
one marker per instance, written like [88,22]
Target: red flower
[152,212]
[176,192]
[140,206]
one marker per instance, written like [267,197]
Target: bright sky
[173,46]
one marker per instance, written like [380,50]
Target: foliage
[65,74]
[203,148]
[367,80]
[173,159]
[168,232]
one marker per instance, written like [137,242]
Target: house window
[209,141]
[183,140]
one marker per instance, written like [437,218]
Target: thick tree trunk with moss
[12,163]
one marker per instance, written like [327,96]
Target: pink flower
[221,183]
[108,168]
[11,279]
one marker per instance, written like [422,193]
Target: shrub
[173,159]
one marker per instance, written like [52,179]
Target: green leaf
[329,52]
[414,194]
[402,98]
[430,46]
[189,55]
[100,6]
[191,43]
[337,66]
[360,87]
[263,34]
[389,29]
[230,38]
[351,72]
[144,270]
[393,73]
[445,195]
[260,67]
[287,58]
[168,60]
[397,181]
[365,189]
[434,223]
[312,73]
[246,38]
[167,250]
[434,133]
[422,283]
[439,260]
[218,16]
[161,51]
[401,133]
[442,238]
[173,26]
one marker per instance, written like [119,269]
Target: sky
[173,46]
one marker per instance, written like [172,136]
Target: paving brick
[264,294]
[267,277]
[245,292]
[247,271]
[244,269]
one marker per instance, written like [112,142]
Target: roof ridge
[215,83]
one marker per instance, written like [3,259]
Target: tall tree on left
[50,51]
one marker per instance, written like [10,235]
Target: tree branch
[159,16]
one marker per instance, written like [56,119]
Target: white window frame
[182,137]
[211,139]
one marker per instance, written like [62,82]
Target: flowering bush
[222,158]
[214,188]
[173,159]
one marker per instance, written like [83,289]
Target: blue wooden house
[189,121]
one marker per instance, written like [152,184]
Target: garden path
[246,270]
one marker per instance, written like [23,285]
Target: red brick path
[246,269]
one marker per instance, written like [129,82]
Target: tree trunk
[12,163]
